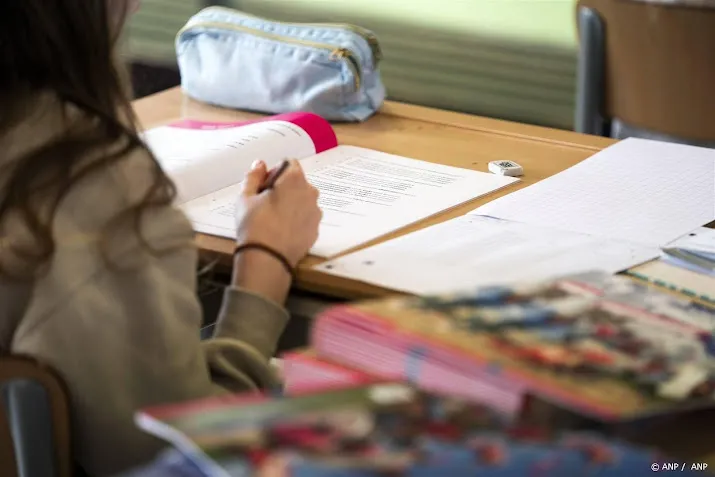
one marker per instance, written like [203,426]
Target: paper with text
[202,161]
[472,251]
[637,190]
[364,194]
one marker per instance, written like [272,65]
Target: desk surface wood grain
[412,131]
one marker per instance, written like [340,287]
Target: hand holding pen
[273,176]
[287,218]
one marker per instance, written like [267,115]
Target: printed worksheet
[364,194]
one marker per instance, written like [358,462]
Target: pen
[273,176]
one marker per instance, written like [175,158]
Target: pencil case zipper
[337,53]
[366,34]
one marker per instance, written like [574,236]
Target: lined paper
[637,190]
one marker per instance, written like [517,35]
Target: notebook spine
[394,355]
[306,374]
[669,286]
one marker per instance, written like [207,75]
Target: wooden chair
[646,69]
[34,420]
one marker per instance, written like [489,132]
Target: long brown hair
[65,48]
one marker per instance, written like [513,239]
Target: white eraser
[505,168]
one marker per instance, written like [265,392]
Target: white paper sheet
[641,191]
[364,194]
[472,251]
[702,239]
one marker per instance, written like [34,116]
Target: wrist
[278,256]
[262,273]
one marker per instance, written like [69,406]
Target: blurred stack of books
[553,378]
[383,430]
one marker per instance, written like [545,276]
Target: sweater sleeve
[247,331]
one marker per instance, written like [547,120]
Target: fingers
[293,179]
[293,175]
[254,178]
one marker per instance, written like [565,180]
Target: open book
[364,194]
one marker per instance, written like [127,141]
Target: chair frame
[660,105]
[590,74]
[35,424]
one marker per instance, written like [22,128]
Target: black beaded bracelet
[263,248]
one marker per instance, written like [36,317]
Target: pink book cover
[306,372]
[303,372]
[359,340]
[319,130]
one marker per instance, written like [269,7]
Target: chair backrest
[657,62]
[35,437]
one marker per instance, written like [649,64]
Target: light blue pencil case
[235,60]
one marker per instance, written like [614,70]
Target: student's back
[73,312]
[96,265]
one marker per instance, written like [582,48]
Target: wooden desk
[442,137]
[421,133]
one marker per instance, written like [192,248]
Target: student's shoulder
[88,150]
[122,180]
[108,172]
[124,198]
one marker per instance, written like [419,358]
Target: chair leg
[30,419]
[590,81]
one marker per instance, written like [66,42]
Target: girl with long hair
[97,266]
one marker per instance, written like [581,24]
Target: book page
[364,194]
[472,251]
[642,191]
[201,161]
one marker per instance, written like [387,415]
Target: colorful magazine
[383,430]
[603,346]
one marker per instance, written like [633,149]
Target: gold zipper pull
[339,54]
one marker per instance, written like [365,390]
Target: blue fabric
[565,458]
[170,463]
[235,60]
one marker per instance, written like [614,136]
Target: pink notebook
[364,194]
[303,372]
[306,372]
